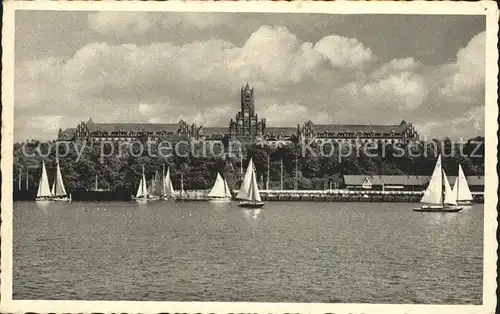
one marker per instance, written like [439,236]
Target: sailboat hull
[438,209]
[43,200]
[220,200]
[466,203]
[145,200]
[64,199]
[251,204]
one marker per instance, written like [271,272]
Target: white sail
[218,190]
[249,190]
[255,195]
[142,191]
[58,188]
[434,192]
[157,186]
[139,190]
[227,190]
[450,198]
[168,188]
[44,187]
[144,185]
[245,185]
[461,187]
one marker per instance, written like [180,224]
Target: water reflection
[43,205]
[442,218]
[220,206]
[251,213]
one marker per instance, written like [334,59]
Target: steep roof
[210,130]
[386,180]
[354,128]
[126,127]
[278,130]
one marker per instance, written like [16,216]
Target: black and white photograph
[227,157]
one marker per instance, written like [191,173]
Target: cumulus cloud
[469,74]
[335,80]
[342,52]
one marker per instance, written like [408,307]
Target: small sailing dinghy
[168,191]
[461,188]
[249,191]
[220,192]
[142,194]
[58,190]
[439,197]
[44,194]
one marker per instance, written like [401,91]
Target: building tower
[247,110]
[246,124]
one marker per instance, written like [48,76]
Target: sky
[162,67]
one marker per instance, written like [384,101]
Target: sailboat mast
[144,189]
[163,192]
[182,183]
[442,187]
[296,183]
[268,171]
[458,181]
[241,164]
[55,181]
[281,174]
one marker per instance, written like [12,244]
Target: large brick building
[245,127]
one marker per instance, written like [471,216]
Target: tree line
[313,167]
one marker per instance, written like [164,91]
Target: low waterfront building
[246,128]
[402,182]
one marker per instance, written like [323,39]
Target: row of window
[341,140]
[359,134]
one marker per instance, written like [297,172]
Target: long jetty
[339,195]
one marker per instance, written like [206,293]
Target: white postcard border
[487,8]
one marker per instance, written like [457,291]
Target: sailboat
[44,194]
[249,191]
[220,192]
[155,190]
[167,187]
[461,188]
[142,191]
[58,190]
[438,198]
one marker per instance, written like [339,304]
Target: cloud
[335,80]
[468,123]
[344,52]
[123,23]
[469,74]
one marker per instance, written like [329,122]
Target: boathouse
[402,182]
[385,182]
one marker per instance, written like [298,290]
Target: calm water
[293,252]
